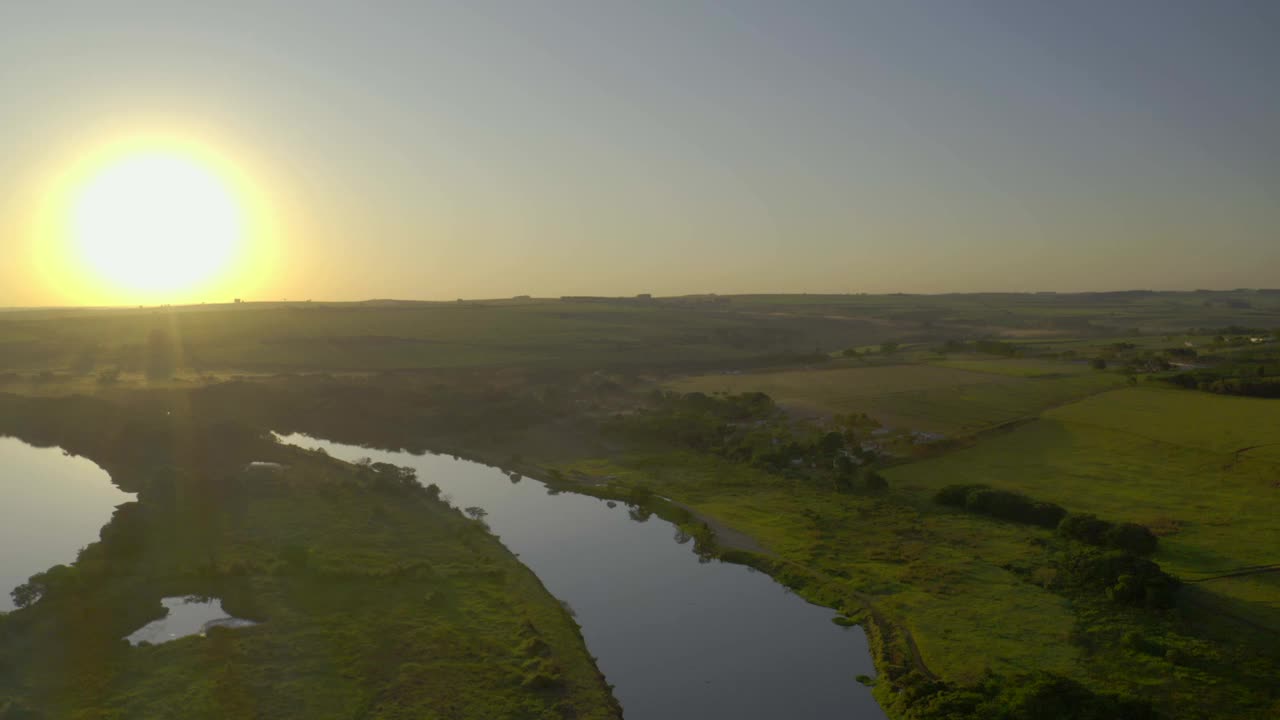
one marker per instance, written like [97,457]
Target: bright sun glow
[156,221]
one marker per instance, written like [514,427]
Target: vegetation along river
[676,636]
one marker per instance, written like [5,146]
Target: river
[54,504]
[676,636]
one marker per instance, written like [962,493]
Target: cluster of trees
[750,428]
[1234,380]
[1036,696]
[1112,565]
[58,579]
[1081,527]
[385,476]
[1002,504]
[986,347]
[1128,537]
[1125,578]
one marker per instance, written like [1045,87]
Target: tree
[831,443]
[1085,527]
[1098,363]
[1131,537]
[59,578]
[888,348]
[25,595]
[476,512]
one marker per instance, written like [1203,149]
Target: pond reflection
[53,505]
[186,616]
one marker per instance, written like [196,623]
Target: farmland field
[919,397]
[1162,458]
[1029,368]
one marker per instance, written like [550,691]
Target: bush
[1038,696]
[1003,504]
[1047,514]
[1132,538]
[1084,527]
[1125,579]
[955,495]
[1129,537]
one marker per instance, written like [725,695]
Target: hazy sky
[477,149]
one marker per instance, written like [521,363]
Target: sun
[156,221]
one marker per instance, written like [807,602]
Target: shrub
[1047,514]
[1129,537]
[955,495]
[1014,507]
[1132,538]
[1084,527]
[1124,578]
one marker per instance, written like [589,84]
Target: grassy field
[588,334]
[974,594]
[372,336]
[949,400]
[1163,458]
[1014,367]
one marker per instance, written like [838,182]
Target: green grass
[838,390]
[1164,458]
[1015,367]
[361,336]
[919,397]
[681,332]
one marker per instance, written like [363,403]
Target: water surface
[51,505]
[186,616]
[677,638]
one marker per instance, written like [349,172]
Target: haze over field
[437,150]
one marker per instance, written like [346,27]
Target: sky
[487,149]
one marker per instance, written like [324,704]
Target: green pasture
[370,336]
[1163,458]
[1014,367]
[919,396]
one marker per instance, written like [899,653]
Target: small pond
[186,616]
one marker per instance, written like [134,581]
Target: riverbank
[372,595]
